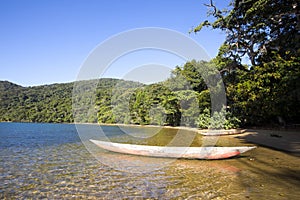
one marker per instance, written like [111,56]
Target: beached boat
[222,132]
[173,152]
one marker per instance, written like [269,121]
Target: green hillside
[270,96]
[46,103]
[183,99]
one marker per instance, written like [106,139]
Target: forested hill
[183,99]
[259,97]
[6,85]
[45,103]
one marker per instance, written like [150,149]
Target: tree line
[183,99]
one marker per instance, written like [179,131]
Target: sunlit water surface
[49,161]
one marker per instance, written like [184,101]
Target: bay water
[53,161]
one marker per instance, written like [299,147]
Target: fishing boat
[172,151]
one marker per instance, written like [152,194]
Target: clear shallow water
[49,161]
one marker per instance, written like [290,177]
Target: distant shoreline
[194,129]
[148,125]
[204,132]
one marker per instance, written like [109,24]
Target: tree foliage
[176,101]
[267,32]
[256,28]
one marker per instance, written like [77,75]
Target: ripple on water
[69,171]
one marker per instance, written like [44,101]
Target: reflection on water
[33,168]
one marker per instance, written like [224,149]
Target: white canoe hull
[173,152]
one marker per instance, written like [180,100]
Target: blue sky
[47,41]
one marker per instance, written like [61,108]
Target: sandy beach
[282,140]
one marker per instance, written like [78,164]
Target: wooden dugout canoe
[173,152]
[222,132]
